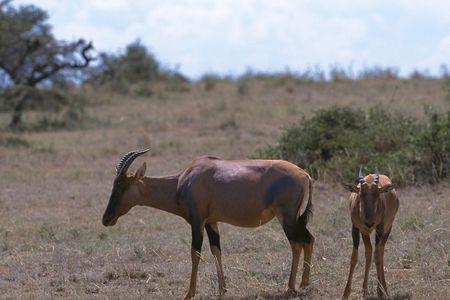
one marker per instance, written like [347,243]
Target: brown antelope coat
[373,206]
[245,193]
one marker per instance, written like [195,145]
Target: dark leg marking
[297,232]
[197,236]
[214,238]
[379,233]
[355,236]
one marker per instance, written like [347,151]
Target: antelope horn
[377,176]
[127,159]
[360,176]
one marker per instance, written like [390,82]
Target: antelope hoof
[222,292]
[381,294]
[303,285]
[346,293]
[289,291]
[189,295]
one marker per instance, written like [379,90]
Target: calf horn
[360,176]
[127,159]
[377,176]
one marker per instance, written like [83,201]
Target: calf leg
[353,262]
[380,242]
[214,242]
[368,252]
[196,249]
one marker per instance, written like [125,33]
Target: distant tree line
[36,69]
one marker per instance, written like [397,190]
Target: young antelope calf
[245,193]
[373,205]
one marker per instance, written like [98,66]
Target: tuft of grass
[243,87]
[14,141]
[139,252]
[75,233]
[413,222]
[143,91]
[73,117]
[229,124]
[4,234]
[209,82]
[102,235]
[46,231]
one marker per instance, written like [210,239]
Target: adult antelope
[373,206]
[246,193]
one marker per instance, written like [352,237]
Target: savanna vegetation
[57,166]
[334,142]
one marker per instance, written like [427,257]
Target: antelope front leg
[380,242]
[214,242]
[353,262]
[196,249]
[383,279]
[368,252]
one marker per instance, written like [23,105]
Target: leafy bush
[447,87]
[72,116]
[434,142]
[13,141]
[378,72]
[137,64]
[335,142]
[209,81]
[143,91]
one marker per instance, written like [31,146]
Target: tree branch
[50,68]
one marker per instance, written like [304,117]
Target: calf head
[369,190]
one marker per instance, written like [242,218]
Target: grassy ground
[54,187]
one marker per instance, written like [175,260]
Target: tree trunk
[16,120]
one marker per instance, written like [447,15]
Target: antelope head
[369,190]
[125,189]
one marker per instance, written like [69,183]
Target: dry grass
[55,185]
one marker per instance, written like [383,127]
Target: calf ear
[351,187]
[140,172]
[387,188]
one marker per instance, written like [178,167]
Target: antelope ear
[351,187]
[387,188]
[141,171]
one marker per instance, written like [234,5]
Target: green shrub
[447,87]
[73,116]
[143,91]
[209,81]
[13,141]
[434,142]
[335,142]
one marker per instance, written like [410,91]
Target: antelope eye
[120,182]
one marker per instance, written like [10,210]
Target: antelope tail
[307,214]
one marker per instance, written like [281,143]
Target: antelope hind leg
[196,249]
[214,241]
